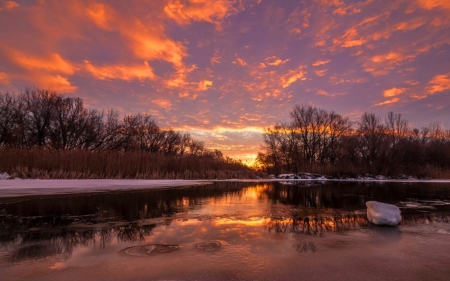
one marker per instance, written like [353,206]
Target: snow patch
[4,176]
[383,214]
[14,188]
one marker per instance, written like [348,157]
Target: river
[228,231]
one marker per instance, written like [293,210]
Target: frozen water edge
[29,187]
[13,188]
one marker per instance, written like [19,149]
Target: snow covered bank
[4,176]
[366,178]
[19,187]
[12,188]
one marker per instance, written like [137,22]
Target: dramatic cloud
[324,93]
[205,85]
[393,92]
[121,72]
[275,61]
[383,64]
[394,100]
[4,78]
[434,4]
[227,69]
[321,72]
[321,62]
[439,83]
[183,12]
[240,62]
[8,5]
[293,76]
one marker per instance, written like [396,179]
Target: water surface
[228,231]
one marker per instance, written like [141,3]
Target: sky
[224,70]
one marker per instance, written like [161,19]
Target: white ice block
[383,214]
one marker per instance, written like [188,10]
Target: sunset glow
[225,70]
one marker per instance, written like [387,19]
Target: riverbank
[32,187]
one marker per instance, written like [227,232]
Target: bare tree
[40,110]
[372,135]
[11,121]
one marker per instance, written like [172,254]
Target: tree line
[44,119]
[317,140]
[52,125]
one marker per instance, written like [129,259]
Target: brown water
[228,231]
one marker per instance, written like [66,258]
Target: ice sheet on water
[383,214]
[416,205]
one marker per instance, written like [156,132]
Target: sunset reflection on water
[243,221]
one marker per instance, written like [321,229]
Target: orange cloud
[148,40]
[439,83]
[401,26]
[383,64]
[324,93]
[419,97]
[335,80]
[298,20]
[45,71]
[179,78]
[292,76]
[217,58]
[204,85]
[54,82]
[394,100]
[393,92]
[164,103]
[349,39]
[412,82]
[434,4]
[322,72]
[240,62]
[101,15]
[367,31]
[9,5]
[121,72]
[152,44]
[4,78]
[320,43]
[183,12]
[321,62]
[372,19]
[187,95]
[52,62]
[346,11]
[353,43]
[275,61]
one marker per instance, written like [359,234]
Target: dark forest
[46,135]
[324,142]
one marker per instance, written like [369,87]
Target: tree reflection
[305,247]
[320,225]
[38,245]
[134,232]
[315,225]
[34,228]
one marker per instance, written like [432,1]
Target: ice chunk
[4,176]
[382,213]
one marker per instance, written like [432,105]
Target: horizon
[224,71]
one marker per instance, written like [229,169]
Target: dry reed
[82,164]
